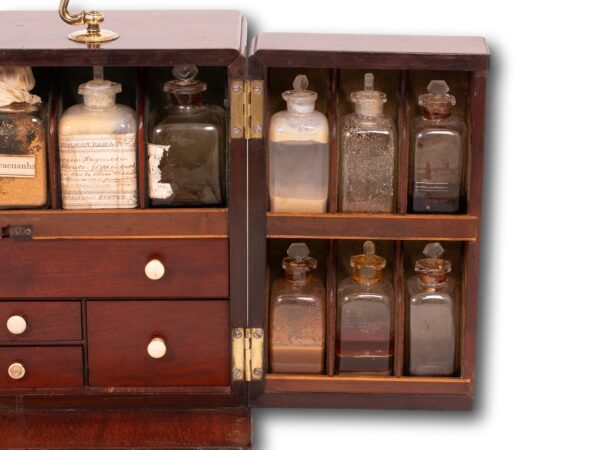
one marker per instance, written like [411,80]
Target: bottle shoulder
[443,295]
[120,119]
[452,123]
[312,292]
[288,126]
[350,290]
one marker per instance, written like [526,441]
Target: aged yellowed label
[98,171]
[157,190]
[17,166]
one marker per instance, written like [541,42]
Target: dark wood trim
[331,287]
[133,223]
[223,428]
[363,385]
[373,226]
[141,138]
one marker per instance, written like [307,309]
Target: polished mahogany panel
[114,268]
[58,367]
[46,321]
[196,335]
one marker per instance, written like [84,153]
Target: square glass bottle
[23,158]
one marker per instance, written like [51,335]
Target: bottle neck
[300,107]
[185,100]
[369,109]
[298,277]
[25,108]
[366,276]
[100,101]
[429,285]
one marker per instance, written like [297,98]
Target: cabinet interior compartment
[156,101]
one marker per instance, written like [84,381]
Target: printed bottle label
[156,189]
[17,166]
[98,171]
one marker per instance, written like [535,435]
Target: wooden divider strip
[141,137]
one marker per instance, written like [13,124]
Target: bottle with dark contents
[367,154]
[437,143]
[23,160]
[365,318]
[186,150]
[432,325]
[297,316]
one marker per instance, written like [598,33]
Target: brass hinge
[247,354]
[246,108]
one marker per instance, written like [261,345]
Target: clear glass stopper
[369,102]
[300,99]
[298,251]
[433,250]
[185,82]
[437,100]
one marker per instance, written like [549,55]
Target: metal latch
[18,232]
[247,354]
[247,104]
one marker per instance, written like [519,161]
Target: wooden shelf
[373,226]
[368,385]
[115,223]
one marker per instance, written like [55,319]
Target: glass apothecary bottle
[432,324]
[299,154]
[437,143]
[97,150]
[365,317]
[23,159]
[367,154]
[186,152]
[297,316]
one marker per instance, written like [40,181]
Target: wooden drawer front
[44,321]
[114,268]
[44,367]
[195,333]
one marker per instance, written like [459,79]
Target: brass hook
[92,19]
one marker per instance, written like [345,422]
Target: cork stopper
[437,103]
[366,268]
[300,100]
[298,265]
[185,82]
[16,82]
[433,270]
[368,102]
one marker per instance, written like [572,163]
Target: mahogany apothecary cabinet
[77,277]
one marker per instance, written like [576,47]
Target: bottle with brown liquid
[23,166]
[365,318]
[437,144]
[432,335]
[297,316]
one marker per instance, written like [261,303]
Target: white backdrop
[540,309]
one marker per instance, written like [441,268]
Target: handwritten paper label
[157,189]
[98,171]
[17,166]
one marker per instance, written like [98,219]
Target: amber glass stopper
[433,269]
[366,268]
[437,103]
[298,265]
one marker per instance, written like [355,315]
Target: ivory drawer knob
[16,371]
[155,270]
[157,348]
[16,325]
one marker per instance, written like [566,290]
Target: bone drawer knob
[16,325]
[157,348]
[155,270]
[16,371]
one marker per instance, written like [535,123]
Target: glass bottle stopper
[437,93]
[98,72]
[369,102]
[300,83]
[369,82]
[185,82]
[367,267]
[300,99]
[298,251]
[433,269]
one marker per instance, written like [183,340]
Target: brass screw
[237,89]
[257,128]
[237,373]
[256,89]
[237,333]
[237,130]
[258,334]
[258,372]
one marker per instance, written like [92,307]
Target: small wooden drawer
[40,367]
[158,343]
[40,321]
[135,268]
